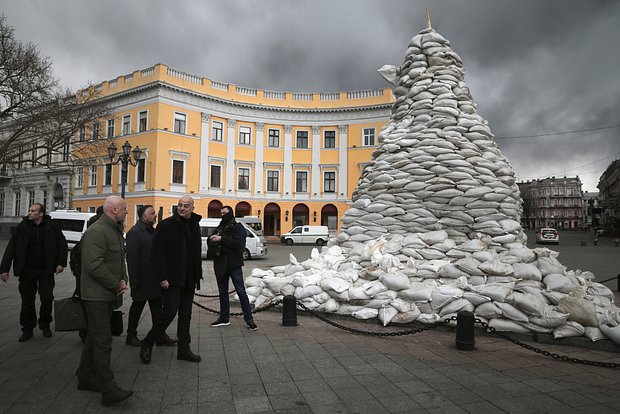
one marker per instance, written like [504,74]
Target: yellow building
[288,158]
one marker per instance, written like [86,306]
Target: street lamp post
[124,159]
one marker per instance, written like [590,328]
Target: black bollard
[618,279]
[465,331]
[289,311]
[595,241]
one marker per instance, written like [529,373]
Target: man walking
[142,280]
[176,259]
[37,250]
[229,242]
[104,279]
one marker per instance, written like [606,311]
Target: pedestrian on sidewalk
[142,280]
[176,257]
[229,243]
[103,282]
[37,250]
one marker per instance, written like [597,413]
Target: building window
[18,204]
[33,155]
[110,132]
[126,124]
[330,139]
[369,136]
[65,149]
[301,182]
[95,131]
[107,178]
[244,179]
[82,133]
[244,135]
[329,182]
[142,121]
[216,176]
[2,198]
[48,153]
[217,131]
[30,197]
[302,139]
[79,177]
[274,138]
[180,123]
[273,180]
[20,157]
[45,197]
[141,171]
[92,176]
[92,209]
[177,171]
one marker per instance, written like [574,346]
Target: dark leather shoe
[145,353]
[166,341]
[133,341]
[115,395]
[88,386]
[47,332]
[26,336]
[188,355]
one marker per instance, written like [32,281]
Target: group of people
[162,265]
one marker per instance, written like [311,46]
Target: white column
[203,163]
[258,160]
[230,157]
[342,161]
[287,180]
[315,180]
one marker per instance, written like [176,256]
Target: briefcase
[116,323]
[69,315]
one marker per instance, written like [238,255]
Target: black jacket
[17,249]
[139,243]
[230,247]
[170,255]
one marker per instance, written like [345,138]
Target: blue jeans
[236,275]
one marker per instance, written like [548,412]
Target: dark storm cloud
[533,66]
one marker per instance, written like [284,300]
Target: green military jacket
[103,260]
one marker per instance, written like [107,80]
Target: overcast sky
[534,67]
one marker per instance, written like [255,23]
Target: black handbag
[69,315]
[116,323]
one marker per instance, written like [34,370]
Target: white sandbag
[432,265]
[554,297]
[526,271]
[253,290]
[612,332]
[366,313]
[310,290]
[259,273]
[477,280]
[403,305]
[496,268]
[512,313]
[262,301]
[407,317]
[395,281]
[559,283]
[287,290]
[456,306]
[451,271]
[569,329]
[386,314]
[275,284]
[428,318]
[323,296]
[598,289]
[292,269]
[483,256]
[433,237]
[488,310]
[348,309]
[549,265]
[496,291]
[252,281]
[506,325]
[470,266]
[357,292]
[526,302]
[593,334]
[340,296]
[335,284]
[330,306]
[374,288]
[418,292]
[306,280]
[476,298]
[525,254]
[579,309]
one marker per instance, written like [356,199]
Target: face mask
[227,217]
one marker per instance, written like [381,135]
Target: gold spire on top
[428,18]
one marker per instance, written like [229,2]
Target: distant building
[590,209]
[609,197]
[552,202]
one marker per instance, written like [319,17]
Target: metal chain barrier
[607,280]
[212,296]
[547,353]
[256,310]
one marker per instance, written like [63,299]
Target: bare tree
[38,119]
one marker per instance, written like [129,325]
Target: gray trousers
[97,351]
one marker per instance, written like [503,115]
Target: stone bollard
[465,331]
[289,311]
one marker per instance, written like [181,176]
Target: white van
[306,234]
[255,245]
[73,224]
[254,222]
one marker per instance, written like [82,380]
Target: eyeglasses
[182,205]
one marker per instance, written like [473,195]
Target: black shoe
[88,386]
[47,332]
[133,341]
[220,322]
[82,334]
[188,355]
[115,395]
[145,353]
[252,326]
[166,341]
[26,336]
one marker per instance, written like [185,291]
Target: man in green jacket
[104,279]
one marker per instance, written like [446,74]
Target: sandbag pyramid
[435,225]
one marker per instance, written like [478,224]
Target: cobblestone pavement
[311,368]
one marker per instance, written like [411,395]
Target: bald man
[176,260]
[104,280]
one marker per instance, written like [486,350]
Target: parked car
[306,234]
[255,245]
[254,222]
[547,235]
[73,224]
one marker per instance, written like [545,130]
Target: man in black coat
[176,257]
[229,243]
[37,250]
[144,285]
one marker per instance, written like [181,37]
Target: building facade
[288,158]
[552,202]
[591,210]
[609,198]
